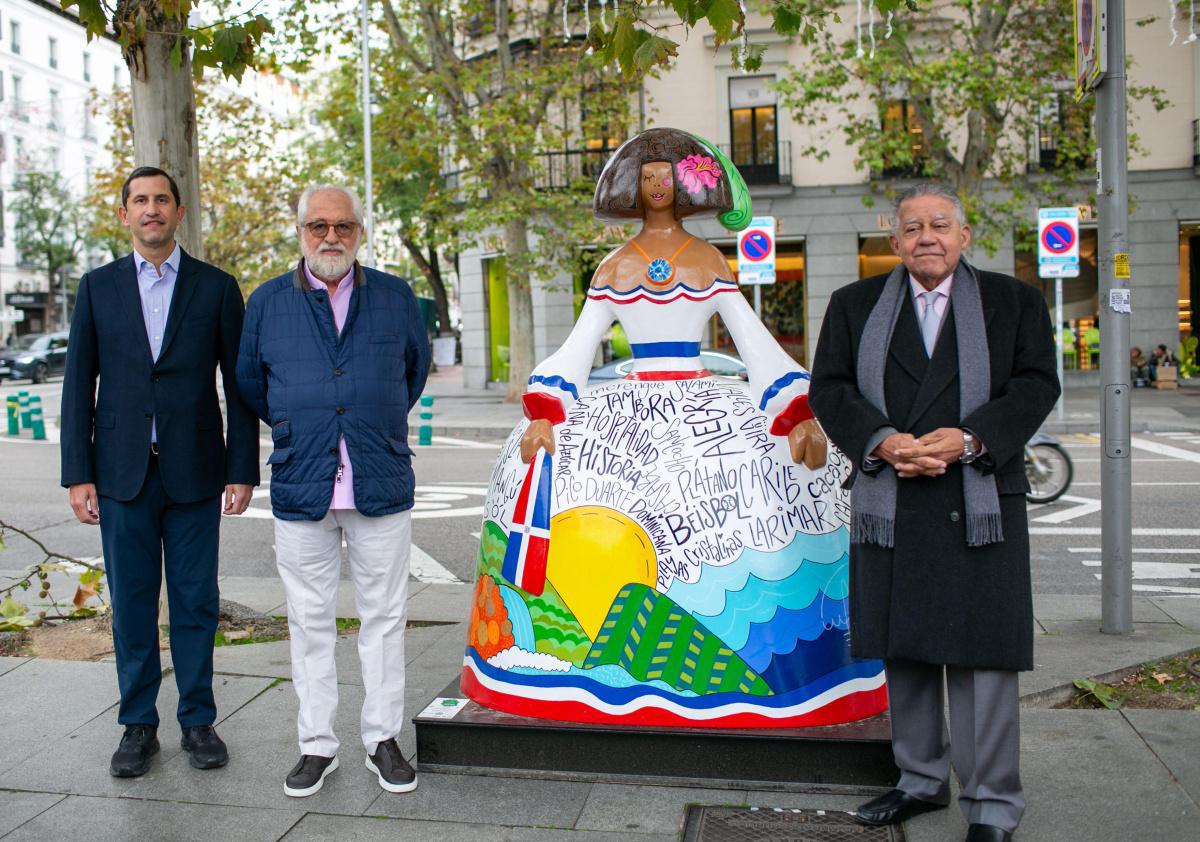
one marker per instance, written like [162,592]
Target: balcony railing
[762,164]
[551,170]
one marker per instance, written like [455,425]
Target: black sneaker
[308,775]
[205,749]
[395,775]
[138,744]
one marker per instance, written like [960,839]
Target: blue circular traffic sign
[756,245]
[1058,237]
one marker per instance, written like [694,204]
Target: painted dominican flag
[529,538]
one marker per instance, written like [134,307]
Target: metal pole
[1058,333]
[758,301]
[368,176]
[1116,530]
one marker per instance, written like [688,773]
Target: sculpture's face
[657,186]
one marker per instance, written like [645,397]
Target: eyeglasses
[320,228]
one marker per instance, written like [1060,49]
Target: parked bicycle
[1048,468]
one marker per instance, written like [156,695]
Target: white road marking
[1140,459]
[1156,569]
[1084,506]
[1167,589]
[468,443]
[424,568]
[1152,484]
[1095,530]
[1165,450]
[1156,550]
[432,501]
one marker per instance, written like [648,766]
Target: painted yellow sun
[594,552]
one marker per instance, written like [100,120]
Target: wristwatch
[970,447]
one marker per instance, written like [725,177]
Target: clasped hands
[927,456]
[806,441]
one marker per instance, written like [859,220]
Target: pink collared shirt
[343,483]
[939,303]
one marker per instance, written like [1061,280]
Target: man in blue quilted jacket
[333,356]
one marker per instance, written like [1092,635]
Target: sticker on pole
[756,252]
[1058,242]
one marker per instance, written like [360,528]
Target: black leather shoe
[308,776]
[132,758]
[393,771]
[893,808]
[204,747]
[987,833]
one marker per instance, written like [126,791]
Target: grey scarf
[873,498]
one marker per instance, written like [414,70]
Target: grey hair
[302,205]
[928,188]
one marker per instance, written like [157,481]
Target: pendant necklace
[660,270]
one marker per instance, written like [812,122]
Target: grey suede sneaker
[395,775]
[308,776]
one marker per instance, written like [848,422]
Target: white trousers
[309,556]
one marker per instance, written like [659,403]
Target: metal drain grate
[776,824]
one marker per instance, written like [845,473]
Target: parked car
[35,358]
[720,363]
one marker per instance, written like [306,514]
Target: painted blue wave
[518,615]
[621,695]
[807,661]
[789,628]
[707,595]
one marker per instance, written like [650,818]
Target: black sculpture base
[480,741]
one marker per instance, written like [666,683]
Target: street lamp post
[368,175]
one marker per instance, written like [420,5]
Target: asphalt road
[452,480]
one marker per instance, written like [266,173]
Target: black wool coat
[931,598]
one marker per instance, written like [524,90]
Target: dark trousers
[984,742]
[138,536]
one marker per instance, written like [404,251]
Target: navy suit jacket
[106,433]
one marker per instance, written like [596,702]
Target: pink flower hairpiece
[698,173]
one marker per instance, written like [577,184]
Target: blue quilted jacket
[313,386]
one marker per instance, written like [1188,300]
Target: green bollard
[36,421]
[13,405]
[23,398]
[425,429]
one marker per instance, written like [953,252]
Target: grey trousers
[984,742]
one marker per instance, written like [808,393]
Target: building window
[1,86]
[14,39]
[55,116]
[753,131]
[87,67]
[18,108]
[89,126]
[54,52]
[904,148]
[116,76]
[1061,137]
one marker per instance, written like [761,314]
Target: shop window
[1189,280]
[1080,327]
[784,304]
[497,303]
[875,255]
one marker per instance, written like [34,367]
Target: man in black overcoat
[931,379]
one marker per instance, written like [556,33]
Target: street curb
[1052,696]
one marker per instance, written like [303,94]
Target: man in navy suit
[145,459]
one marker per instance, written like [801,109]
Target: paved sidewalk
[1095,775]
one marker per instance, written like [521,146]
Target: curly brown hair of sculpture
[618,197]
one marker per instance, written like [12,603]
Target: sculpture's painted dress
[669,563]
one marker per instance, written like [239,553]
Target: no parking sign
[1058,242]
[756,252]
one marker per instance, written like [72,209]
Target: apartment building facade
[48,71]
[828,237]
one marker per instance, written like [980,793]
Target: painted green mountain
[555,629]
[651,637]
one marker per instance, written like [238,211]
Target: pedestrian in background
[931,379]
[333,357]
[145,459]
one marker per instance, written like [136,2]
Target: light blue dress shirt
[156,290]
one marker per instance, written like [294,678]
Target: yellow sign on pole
[1091,45]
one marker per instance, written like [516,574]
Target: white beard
[330,265]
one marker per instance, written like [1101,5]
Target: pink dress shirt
[343,483]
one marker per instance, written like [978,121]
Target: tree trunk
[164,109]
[520,308]
[433,273]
